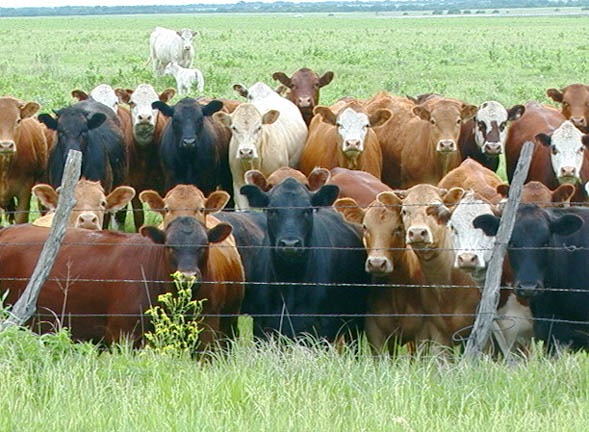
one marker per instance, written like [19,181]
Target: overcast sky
[53,3]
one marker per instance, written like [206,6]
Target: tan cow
[470,174]
[574,100]
[91,203]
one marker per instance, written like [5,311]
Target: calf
[575,104]
[185,78]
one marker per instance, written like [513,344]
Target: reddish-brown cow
[575,104]
[537,193]
[470,174]
[23,156]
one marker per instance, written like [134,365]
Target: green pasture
[46,384]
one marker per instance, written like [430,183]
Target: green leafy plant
[176,323]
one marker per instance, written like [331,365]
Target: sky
[55,3]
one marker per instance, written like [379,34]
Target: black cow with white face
[308,271]
[194,148]
[549,255]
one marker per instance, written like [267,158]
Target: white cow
[257,142]
[290,119]
[185,78]
[167,45]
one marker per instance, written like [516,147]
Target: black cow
[194,148]
[93,129]
[310,266]
[549,256]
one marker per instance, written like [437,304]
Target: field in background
[48,386]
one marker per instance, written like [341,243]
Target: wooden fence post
[26,305]
[487,309]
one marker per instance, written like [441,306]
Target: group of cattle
[378,216]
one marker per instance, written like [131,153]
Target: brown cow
[537,193]
[470,174]
[23,156]
[575,104]
[102,281]
[91,203]
[302,88]
[341,135]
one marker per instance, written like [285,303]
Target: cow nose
[378,265]
[418,235]
[7,147]
[527,289]
[493,148]
[304,102]
[467,260]
[246,153]
[447,145]
[352,145]
[144,118]
[578,121]
[289,243]
[568,171]
[87,220]
[189,142]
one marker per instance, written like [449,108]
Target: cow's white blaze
[106,95]
[490,129]
[352,127]
[567,153]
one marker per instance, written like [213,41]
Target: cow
[167,46]
[102,282]
[310,270]
[91,128]
[257,142]
[472,175]
[145,169]
[290,119]
[23,156]
[535,192]
[194,148]
[393,305]
[90,207]
[186,78]
[574,100]
[302,88]
[316,179]
[559,154]
[548,252]
[102,93]
[483,136]
[341,135]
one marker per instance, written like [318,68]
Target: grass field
[46,385]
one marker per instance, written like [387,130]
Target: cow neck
[6,163]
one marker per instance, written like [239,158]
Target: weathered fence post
[490,296]
[26,305]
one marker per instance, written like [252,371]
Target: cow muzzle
[492,148]
[247,153]
[7,147]
[446,146]
[568,174]
[188,143]
[419,235]
[305,102]
[88,220]
[378,265]
[579,122]
[352,146]
[290,247]
[528,289]
[468,261]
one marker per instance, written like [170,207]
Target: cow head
[247,130]
[531,241]
[289,209]
[12,112]
[257,91]
[187,246]
[490,126]
[352,123]
[143,116]
[184,200]
[72,125]
[425,213]
[445,117]
[317,178]
[304,87]
[103,93]
[567,151]
[575,104]
[91,202]
[186,35]
[538,193]
[187,118]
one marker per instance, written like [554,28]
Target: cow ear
[29,109]
[216,201]
[318,177]
[241,90]
[488,223]
[165,109]
[566,225]
[124,95]
[270,117]
[562,194]
[282,79]
[401,193]
[325,196]
[219,232]
[153,200]
[391,200]
[554,94]
[453,196]
[46,195]
[223,118]
[379,117]
[96,120]
[212,107]
[255,196]
[49,121]
[255,177]
[155,234]
[468,111]
[350,210]
[515,112]
[326,78]
[544,139]
[503,190]
[119,198]
[80,95]
[167,95]
[326,114]
[421,112]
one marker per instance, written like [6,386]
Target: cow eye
[338,124]
[18,120]
[259,128]
[403,212]
[433,122]
[554,150]
[166,209]
[565,105]
[132,104]
[502,126]
[482,126]
[458,121]
[201,210]
[581,149]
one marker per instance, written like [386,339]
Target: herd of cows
[378,216]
